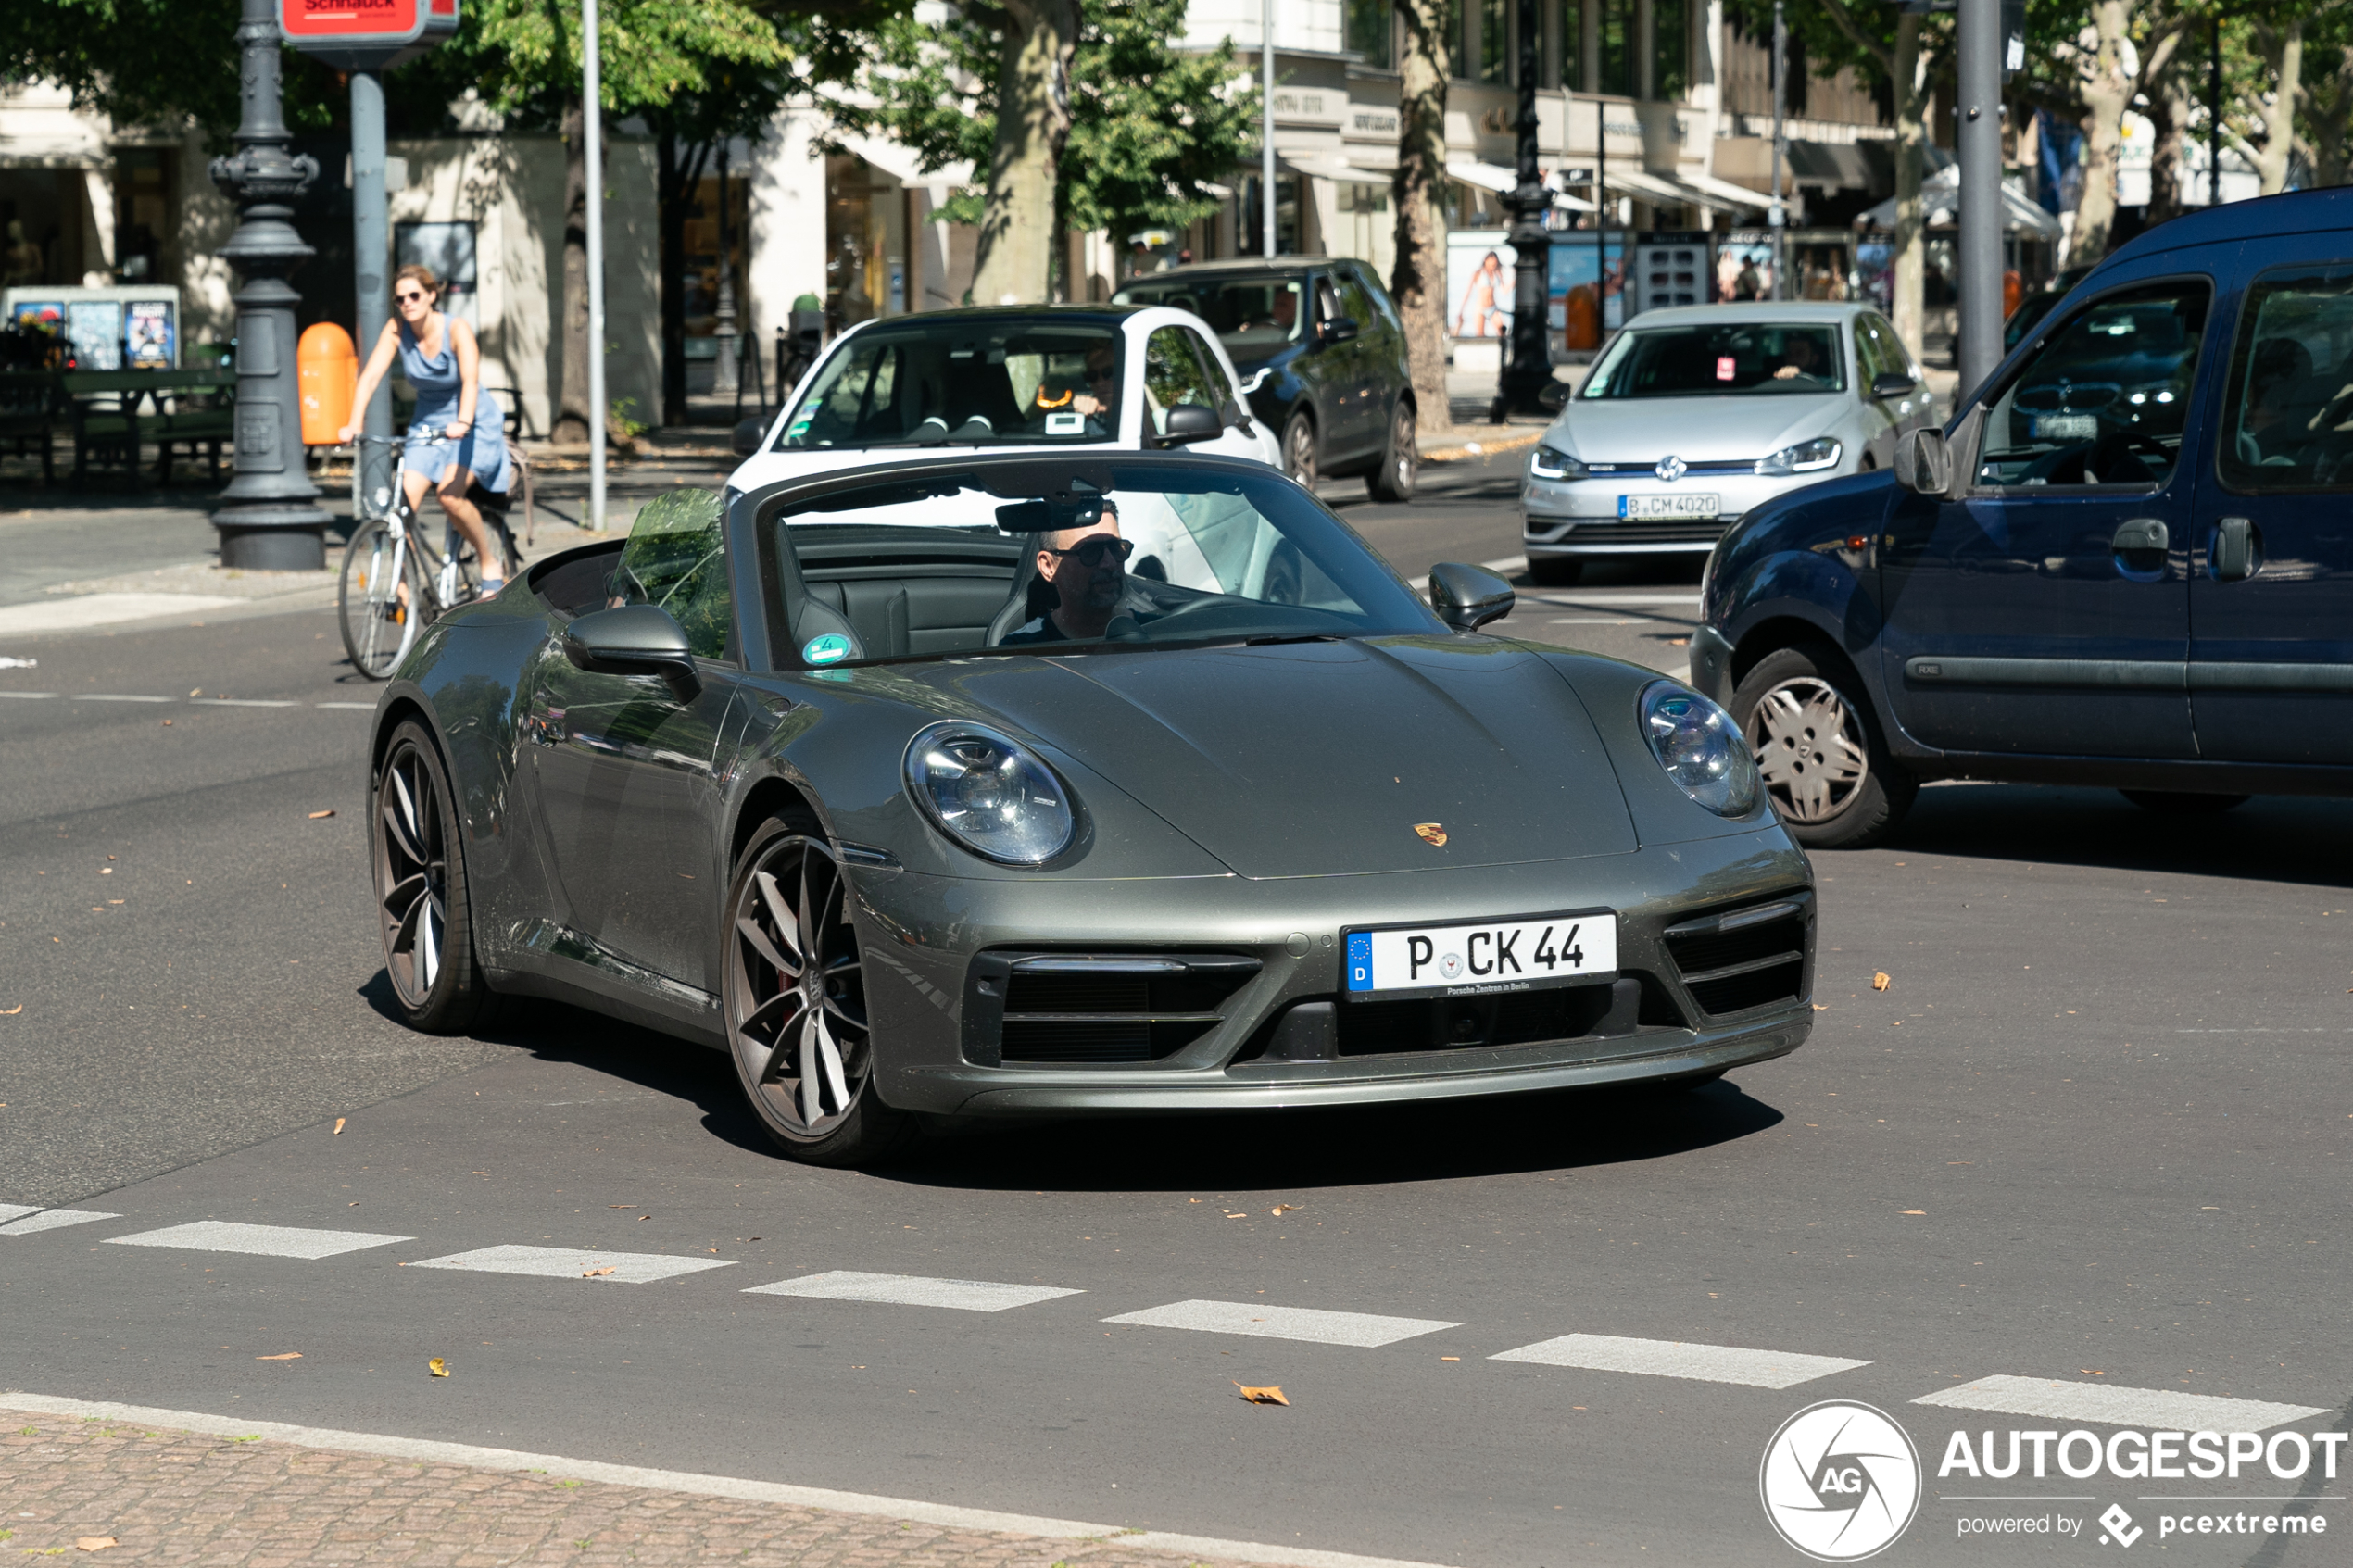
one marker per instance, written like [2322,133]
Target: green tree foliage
[1150,130]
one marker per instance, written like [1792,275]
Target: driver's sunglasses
[1091,551]
[411,295]
[1105,374]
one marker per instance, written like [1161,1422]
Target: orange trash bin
[327,371]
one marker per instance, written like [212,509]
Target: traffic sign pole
[371,246]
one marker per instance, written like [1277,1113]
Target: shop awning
[1469,171]
[1738,194]
[1832,166]
[1940,203]
[1660,188]
[900,163]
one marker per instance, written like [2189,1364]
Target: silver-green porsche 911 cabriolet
[1024,785]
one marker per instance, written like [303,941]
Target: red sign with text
[366,33]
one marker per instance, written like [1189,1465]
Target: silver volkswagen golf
[1693,416]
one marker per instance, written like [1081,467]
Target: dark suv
[2125,562]
[1322,356]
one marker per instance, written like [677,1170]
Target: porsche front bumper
[938,952]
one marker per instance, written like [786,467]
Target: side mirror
[1553,398]
[1189,422]
[634,640]
[1336,329]
[1923,462]
[1467,597]
[1893,384]
[748,434]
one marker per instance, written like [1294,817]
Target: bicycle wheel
[380,598]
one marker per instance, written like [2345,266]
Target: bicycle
[395,582]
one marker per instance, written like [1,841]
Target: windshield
[1706,360]
[933,382]
[1251,316]
[1145,557]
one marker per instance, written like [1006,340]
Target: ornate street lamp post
[270,520]
[1530,370]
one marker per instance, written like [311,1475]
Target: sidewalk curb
[1482,447]
[741,1490]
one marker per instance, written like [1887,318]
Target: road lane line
[1668,1358]
[238,702]
[2158,1408]
[16,1210]
[1604,620]
[53,1220]
[28,696]
[361,707]
[564,1263]
[912,1290]
[1365,1330]
[426,1451]
[267,1241]
[109,697]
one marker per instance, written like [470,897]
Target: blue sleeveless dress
[428,450]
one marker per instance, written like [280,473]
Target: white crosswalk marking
[912,1290]
[2160,1408]
[269,1241]
[1363,1329]
[51,1220]
[16,1210]
[562,1262]
[1667,1358]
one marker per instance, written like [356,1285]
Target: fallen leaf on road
[1286,1207]
[1233,1215]
[316,815]
[167,723]
[609,1205]
[644,1217]
[599,1273]
[339,1121]
[1915,1211]
[438,1367]
[94,1543]
[195,691]
[289,1355]
[2090,1372]
[11,1012]
[1819,1007]
[1268,1395]
[1879,981]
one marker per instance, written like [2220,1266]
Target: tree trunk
[2330,114]
[2168,112]
[2108,93]
[2284,46]
[1012,260]
[1418,281]
[1914,68]
[572,403]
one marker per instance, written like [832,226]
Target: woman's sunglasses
[409,298]
[1091,551]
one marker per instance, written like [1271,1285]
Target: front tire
[1817,747]
[1401,464]
[1302,456]
[423,900]
[795,1003]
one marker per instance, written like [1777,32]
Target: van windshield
[957,381]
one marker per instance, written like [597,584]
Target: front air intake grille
[1748,957]
[1074,1007]
[1652,531]
[1441,1024]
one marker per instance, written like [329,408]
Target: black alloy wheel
[421,898]
[1302,457]
[796,1001]
[1818,750]
[1400,465]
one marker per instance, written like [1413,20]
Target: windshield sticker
[831,648]
[1065,424]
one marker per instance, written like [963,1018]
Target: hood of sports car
[1327,758]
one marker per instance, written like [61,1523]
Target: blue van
[2127,561]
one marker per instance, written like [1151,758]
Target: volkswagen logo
[1671,468]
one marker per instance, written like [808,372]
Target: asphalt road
[2094,1133]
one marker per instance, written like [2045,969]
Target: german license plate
[1483,958]
[1630,508]
[2066,427]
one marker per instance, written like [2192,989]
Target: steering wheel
[2105,450]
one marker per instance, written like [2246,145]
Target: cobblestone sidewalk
[176,1497]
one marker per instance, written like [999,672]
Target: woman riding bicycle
[459,434]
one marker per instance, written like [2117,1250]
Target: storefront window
[1573,48]
[1671,27]
[1369,31]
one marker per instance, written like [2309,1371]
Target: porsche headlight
[1551,462]
[1700,748]
[1806,456]
[991,794]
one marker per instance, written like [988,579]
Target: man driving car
[1084,569]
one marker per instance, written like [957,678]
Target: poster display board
[1585,302]
[113,327]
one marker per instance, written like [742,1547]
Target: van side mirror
[1467,597]
[1923,462]
[1336,329]
[1189,422]
[634,640]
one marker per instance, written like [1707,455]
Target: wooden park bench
[108,423]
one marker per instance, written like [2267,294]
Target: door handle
[2139,534]
[2232,556]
